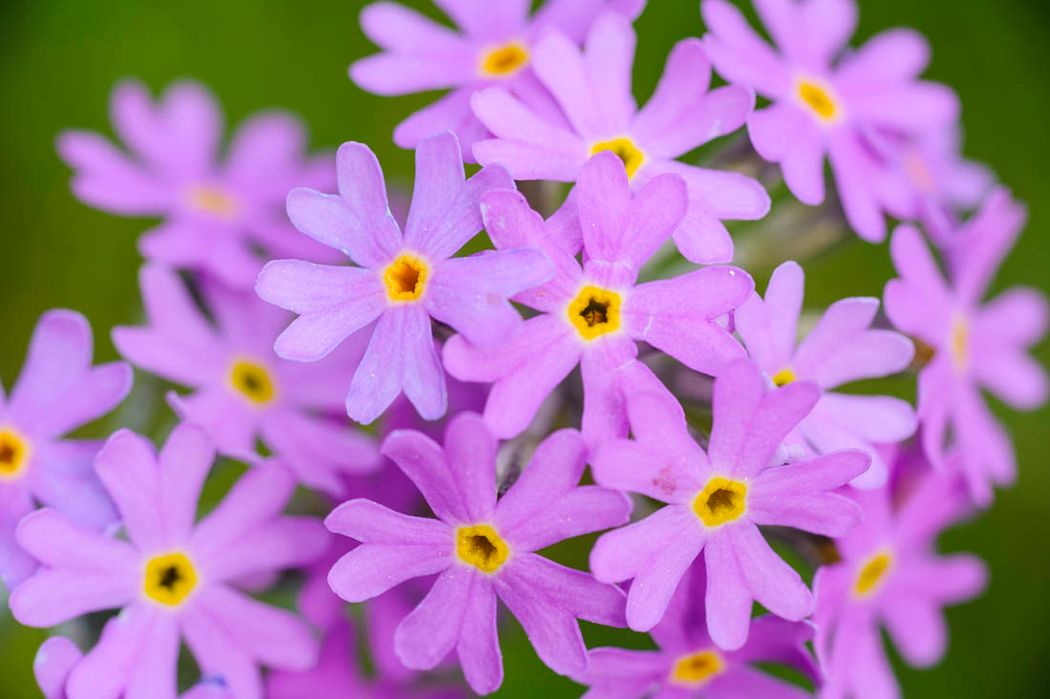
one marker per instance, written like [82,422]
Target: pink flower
[717,500]
[593,89]
[214,213]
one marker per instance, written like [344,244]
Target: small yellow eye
[482,547]
[721,501]
[504,61]
[169,578]
[595,312]
[624,149]
[253,381]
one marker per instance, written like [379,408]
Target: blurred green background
[59,59]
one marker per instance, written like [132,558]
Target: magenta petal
[370,522]
[431,630]
[372,569]
[769,326]
[424,462]
[728,599]
[218,655]
[769,579]
[478,646]
[55,659]
[105,177]
[106,669]
[918,629]
[471,453]
[127,467]
[641,468]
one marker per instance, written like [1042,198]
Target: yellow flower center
[480,546]
[872,574]
[253,381]
[14,453]
[214,201]
[696,669]
[819,99]
[959,343]
[595,312]
[783,377]
[504,61]
[721,501]
[169,578]
[406,278]
[624,149]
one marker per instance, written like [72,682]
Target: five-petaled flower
[717,500]
[482,549]
[402,280]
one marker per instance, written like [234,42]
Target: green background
[59,59]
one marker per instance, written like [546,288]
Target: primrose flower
[214,213]
[841,348]
[494,46]
[593,315]
[402,280]
[687,663]
[58,391]
[716,502]
[973,346]
[172,579]
[242,391]
[482,549]
[890,574]
[824,105]
[593,88]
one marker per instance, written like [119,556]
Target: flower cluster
[459,386]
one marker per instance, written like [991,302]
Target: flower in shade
[482,549]
[974,346]
[402,280]
[717,500]
[242,392]
[215,211]
[687,663]
[593,315]
[494,46]
[889,574]
[823,105]
[173,580]
[58,391]
[841,348]
[58,655]
[593,88]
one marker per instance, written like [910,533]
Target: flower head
[171,579]
[974,346]
[58,391]
[402,280]
[889,574]
[688,663]
[824,105]
[594,314]
[841,348]
[593,89]
[242,391]
[215,212]
[482,549]
[716,501]
[491,44]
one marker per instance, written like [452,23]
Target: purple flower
[215,212]
[494,46]
[688,664]
[841,348]
[481,550]
[242,391]
[824,105]
[402,280]
[716,502]
[172,579]
[593,315]
[593,88]
[58,391]
[890,574]
[974,346]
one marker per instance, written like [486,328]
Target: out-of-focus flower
[841,348]
[829,104]
[716,502]
[975,346]
[593,88]
[58,391]
[495,45]
[593,315]
[216,211]
[242,391]
[172,579]
[687,663]
[482,550]
[402,280]
[890,574]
